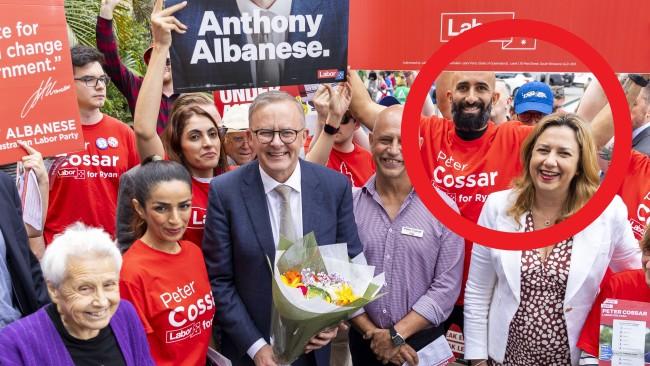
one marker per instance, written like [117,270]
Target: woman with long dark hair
[192,137]
[163,276]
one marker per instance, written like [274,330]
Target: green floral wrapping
[296,318]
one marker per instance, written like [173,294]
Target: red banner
[386,36]
[224,99]
[39,105]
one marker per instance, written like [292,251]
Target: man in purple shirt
[126,81]
[421,259]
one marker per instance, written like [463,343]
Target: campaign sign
[39,105]
[382,39]
[234,44]
[224,99]
[624,333]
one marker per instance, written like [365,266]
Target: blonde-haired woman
[528,307]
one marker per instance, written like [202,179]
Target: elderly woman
[528,307]
[87,322]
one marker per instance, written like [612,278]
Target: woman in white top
[528,307]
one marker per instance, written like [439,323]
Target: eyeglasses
[91,81]
[287,135]
[237,139]
[346,120]
[530,116]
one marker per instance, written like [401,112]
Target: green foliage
[606,333]
[131,27]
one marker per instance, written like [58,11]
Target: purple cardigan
[34,340]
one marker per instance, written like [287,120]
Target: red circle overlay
[583,52]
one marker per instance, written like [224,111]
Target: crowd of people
[155,240]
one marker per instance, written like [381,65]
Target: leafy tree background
[131,27]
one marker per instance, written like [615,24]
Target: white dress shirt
[273,201]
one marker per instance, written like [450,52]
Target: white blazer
[492,293]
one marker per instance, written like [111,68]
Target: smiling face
[166,212]
[238,147]
[88,296]
[277,158]
[554,160]
[471,99]
[200,145]
[88,97]
[386,144]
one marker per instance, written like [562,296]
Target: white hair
[80,241]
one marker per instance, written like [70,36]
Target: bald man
[501,109]
[468,156]
[404,241]
[443,85]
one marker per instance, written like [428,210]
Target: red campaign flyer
[624,334]
[39,105]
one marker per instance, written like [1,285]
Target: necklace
[547,220]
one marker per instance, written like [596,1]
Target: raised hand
[339,101]
[107,8]
[163,22]
[321,102]
[34,161]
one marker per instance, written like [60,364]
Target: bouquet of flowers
[314,288]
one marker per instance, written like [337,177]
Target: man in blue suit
[245,218]
[332,34]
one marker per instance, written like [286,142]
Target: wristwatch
[330,130]
[638,80]
[397,338]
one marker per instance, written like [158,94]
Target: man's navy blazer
[28,287]
[238,239]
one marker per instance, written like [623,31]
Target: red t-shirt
[626,285]
[357,165]
[468,171]
[172,295]
[84,185]
[194,231]
[635,192]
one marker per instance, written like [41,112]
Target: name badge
[412,232]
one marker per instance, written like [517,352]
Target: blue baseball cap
[388,101]
[534,96]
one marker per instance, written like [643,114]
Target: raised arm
[602,125]
[321,105]
[145,118]
[125,81]
[362,106]
[592,101]
[336,102]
